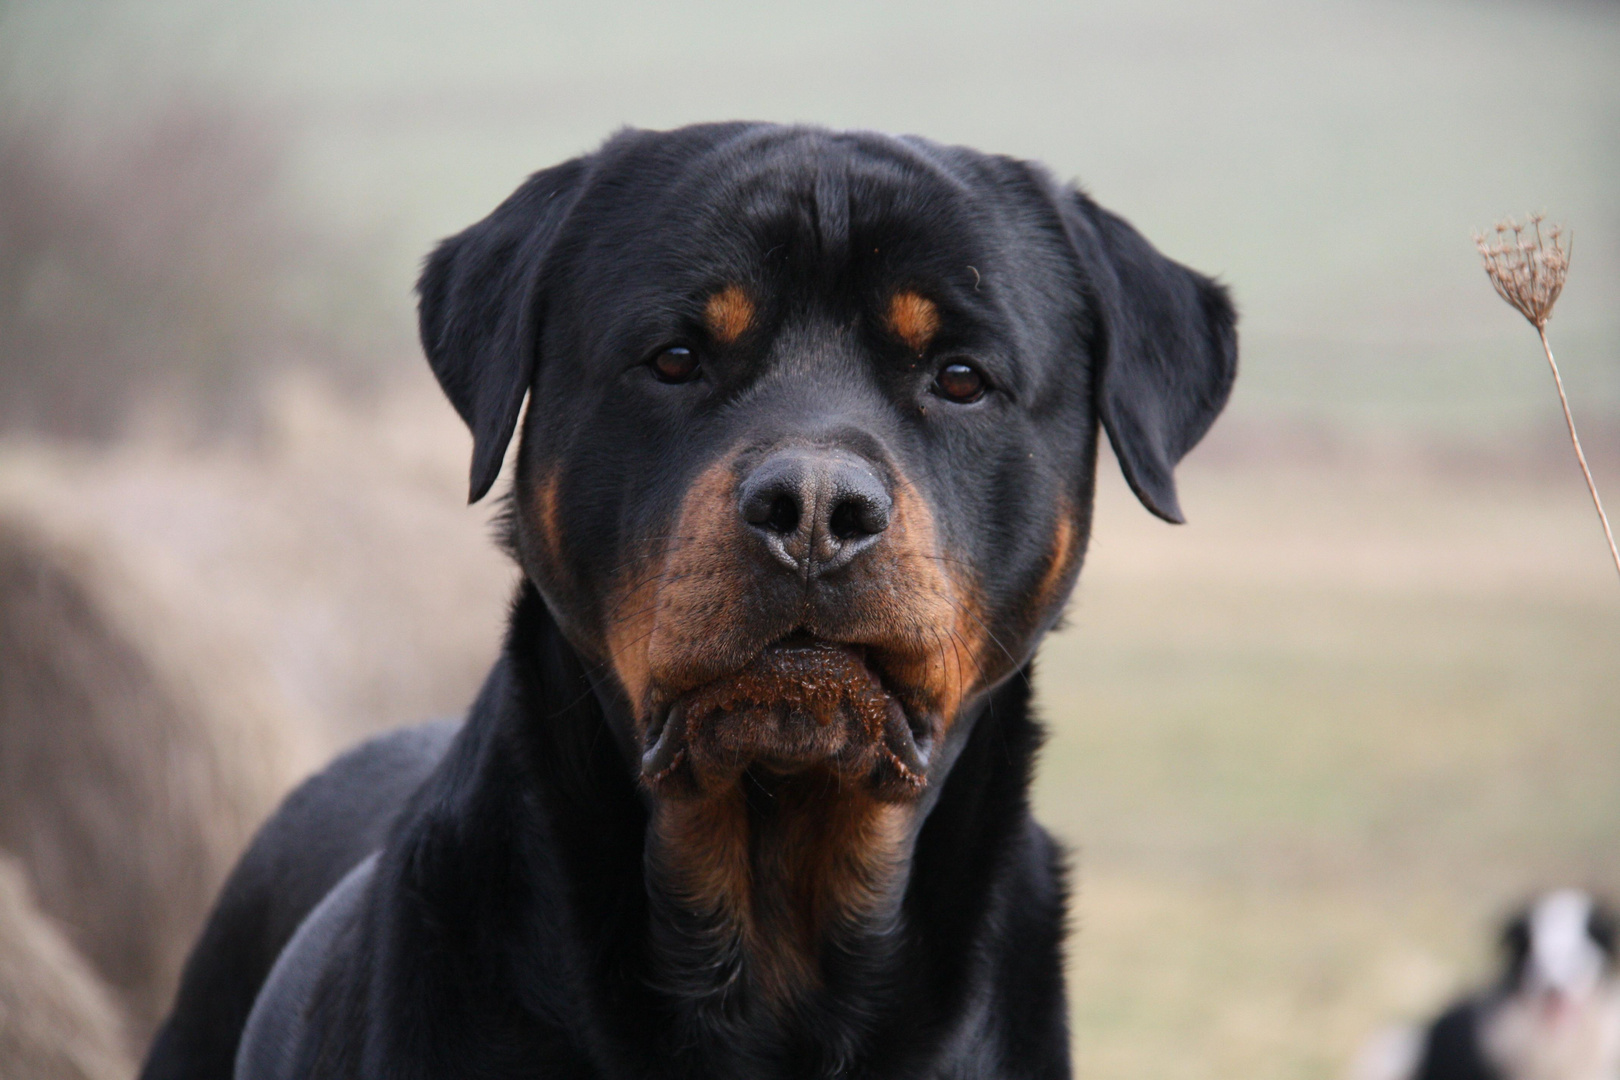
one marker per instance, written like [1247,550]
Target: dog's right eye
[676,364]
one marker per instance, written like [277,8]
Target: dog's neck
[739,914]
[753,883]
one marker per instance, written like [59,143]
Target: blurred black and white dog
[1553,1015]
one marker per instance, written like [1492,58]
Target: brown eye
[961,383]
[676,364]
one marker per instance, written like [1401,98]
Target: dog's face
[1560,949]
[807,462]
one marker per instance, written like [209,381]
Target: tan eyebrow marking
[728,314]
[914,319]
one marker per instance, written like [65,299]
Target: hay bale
[126,793]
[58,1020]
[187,630]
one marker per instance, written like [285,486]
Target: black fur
[1454,1045]
[1168,353]
[513,924]
[296,857]
[1451,1046]
[478,316]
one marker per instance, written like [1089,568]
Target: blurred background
[1306,750]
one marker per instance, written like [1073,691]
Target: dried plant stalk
[1528,271]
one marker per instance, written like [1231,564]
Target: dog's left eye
[676,364]
[961,383]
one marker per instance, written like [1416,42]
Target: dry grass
[1312,745]
[1308,747]
[337,555]
[157,268]
[1529,272]
[57,1020]
[185,632]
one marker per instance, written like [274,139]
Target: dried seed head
[1526,268]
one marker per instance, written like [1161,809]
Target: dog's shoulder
[275,1043]
[1451,1047]
[322,830]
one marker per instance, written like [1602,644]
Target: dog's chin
[802,705]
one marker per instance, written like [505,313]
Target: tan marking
[679,619]
[821,855]
[927,630]
[547,519]
[828,857]
[541,539]
[827,850]
[702,848]
[1057,571]
[672,617]
[729,313]
[914,319]
[629,623]
[840,855]
[705,587]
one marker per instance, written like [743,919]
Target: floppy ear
[1168,355]
[1515,945]
[478,311]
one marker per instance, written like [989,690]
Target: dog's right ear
[478,311]
[1169,337]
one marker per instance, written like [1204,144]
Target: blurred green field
[1309,748]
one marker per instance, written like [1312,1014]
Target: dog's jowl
[805,474]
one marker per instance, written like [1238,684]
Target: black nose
[815,508]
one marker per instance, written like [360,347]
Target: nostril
[845,523]
[815,506]
[854,517]
[784,515]
[772,506]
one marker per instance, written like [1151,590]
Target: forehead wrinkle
[769,218]
[826,186]
[816,345]
[824,352]
[830,204]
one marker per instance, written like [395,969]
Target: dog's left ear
[479,310]
[1168,350]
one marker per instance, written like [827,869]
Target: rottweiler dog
[806,473]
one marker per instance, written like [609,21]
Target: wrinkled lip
[803,701]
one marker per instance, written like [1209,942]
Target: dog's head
[1559,950]
[808,457]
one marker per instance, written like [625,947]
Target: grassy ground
[1309,747]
